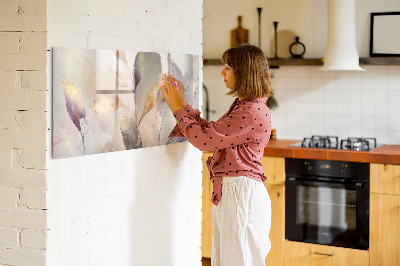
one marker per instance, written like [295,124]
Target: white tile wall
[342,103]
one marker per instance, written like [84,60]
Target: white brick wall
[9,237]
[23,132]
[9,197]
[33,239]
[136,207]
[100,217]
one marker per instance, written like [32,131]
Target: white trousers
[241,223]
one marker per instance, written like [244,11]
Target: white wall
[305,18]
[311,102]
[23,133]
[136,207]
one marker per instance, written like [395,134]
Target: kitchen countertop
[389,154]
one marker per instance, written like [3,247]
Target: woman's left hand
[171,96]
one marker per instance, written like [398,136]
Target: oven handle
[357,185]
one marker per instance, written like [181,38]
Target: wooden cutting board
[239,35]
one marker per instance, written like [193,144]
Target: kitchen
[96,210]
[316,103]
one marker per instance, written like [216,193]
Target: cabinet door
[304,254]
[277,233]
[206,232]
[384,236]
[385,178]
[274,168]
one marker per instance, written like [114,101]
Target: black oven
[327,202]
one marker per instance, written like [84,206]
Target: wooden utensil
[239,35]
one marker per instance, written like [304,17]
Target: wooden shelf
[273,63]
[380,61]
[212,62]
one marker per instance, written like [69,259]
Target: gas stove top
[332,142]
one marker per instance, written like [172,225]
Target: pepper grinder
[276,38]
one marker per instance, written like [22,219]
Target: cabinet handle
[325,254]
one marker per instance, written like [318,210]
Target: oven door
[327,213]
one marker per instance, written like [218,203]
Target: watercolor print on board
[107,100]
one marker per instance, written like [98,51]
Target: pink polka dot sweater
[238,139]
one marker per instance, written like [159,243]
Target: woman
[242,208]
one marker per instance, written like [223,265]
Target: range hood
[341,51]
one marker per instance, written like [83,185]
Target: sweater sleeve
[231,130]
[193,113]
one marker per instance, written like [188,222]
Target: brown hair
[250,66]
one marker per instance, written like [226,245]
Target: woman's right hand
[181,91]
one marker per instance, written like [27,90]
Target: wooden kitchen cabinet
[206,232]
[384,236]
[385,178]
[274,168]
[305,254]
[277,233]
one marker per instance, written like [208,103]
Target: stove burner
[358,144]
[328,142]
[332,142]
